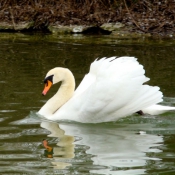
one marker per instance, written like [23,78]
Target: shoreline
[113,29]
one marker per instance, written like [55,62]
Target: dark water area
[133,145]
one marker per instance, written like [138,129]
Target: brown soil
[147,16]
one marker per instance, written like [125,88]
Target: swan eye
[45,82]
[50,78]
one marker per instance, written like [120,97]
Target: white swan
[112,89]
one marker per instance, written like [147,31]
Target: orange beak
[45,143]
[47,87]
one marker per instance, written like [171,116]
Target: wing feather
[112,89]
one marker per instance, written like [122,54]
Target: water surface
[133,145]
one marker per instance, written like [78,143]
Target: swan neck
[64,93]
[68,79]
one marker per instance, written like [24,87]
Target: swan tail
[157,109]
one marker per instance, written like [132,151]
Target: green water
[133,145]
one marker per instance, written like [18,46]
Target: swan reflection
[48,152]
[64,148]
[110,145]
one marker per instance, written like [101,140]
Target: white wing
[112,89]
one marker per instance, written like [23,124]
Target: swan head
[52,77]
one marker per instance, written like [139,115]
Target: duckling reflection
[64,149]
